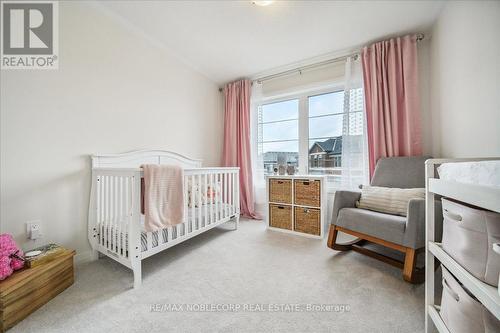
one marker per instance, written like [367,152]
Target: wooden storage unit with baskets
[297,204]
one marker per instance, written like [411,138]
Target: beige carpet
[268,271]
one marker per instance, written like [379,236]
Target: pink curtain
[237,150]
[391,99]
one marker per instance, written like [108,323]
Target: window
[278,136]
[325,118]
[307,131]
[329,123]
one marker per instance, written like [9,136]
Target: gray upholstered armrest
[415,223]
[343,199]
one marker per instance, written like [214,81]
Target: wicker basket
[280,216]
[307,192]
[280,190]
[307,220]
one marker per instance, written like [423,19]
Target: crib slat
[130,207]
[222,196]
[228,195]
[231,207]
[103,209]
[235,175]
[111,211]
[160,237]
[100,208]
[231,191]
[130,214]
[205,191]
[226,192]
[238,194]
[213,193]
[113,215]
[198,201]
[198,210]
[121,215]
[105,218]
[103,212]
[108,210]
[218,197]
[185,222]
[230,201]
[149,243]
[193,197]
[115,211]
[97,203]
[170,232]
[117,216]
[221,205]
[126,209]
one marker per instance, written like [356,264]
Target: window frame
[303,119]
[262,103]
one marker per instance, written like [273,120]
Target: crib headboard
[135,159]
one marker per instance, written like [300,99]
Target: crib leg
[236,222]
[136,267]
[94,255]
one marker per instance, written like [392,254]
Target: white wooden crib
[115,222]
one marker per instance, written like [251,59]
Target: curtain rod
[299,70]
[306,67]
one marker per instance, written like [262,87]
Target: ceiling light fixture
[262,3]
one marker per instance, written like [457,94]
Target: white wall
[114,92]
[465,80]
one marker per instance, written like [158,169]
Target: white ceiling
[226,40]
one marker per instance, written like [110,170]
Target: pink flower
[8,262]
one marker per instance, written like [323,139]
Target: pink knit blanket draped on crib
[163,196]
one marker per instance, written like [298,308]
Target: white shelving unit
[481,196]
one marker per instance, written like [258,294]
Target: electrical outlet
[34,229]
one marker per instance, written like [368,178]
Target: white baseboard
[83,257]
[261,209]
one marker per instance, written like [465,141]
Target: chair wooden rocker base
[411,273]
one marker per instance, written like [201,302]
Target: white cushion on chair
[388,200]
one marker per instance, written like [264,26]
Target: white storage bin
[496,248]
[468,237]
[461,312]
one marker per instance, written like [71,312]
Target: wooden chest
[28,289]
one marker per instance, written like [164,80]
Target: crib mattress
[485,173]
[176,231]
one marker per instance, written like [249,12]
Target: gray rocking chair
[404,234]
